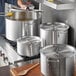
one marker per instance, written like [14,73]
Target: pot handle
[53,60]
[37,11]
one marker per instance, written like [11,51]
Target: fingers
[23,6]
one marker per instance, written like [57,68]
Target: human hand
[23,6]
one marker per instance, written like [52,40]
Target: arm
[21,4]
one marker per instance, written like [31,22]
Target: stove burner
[26,58]
[14,44]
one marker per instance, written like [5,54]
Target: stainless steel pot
[56,33]
[28,46]
[57,60]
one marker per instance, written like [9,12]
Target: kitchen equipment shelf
[58,5]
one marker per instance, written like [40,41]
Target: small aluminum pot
[28,46]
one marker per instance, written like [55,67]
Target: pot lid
[47,26]
[58,51]
[61,26]
[31,39]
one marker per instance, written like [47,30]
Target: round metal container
[56,33]
[16,29]
[28,46]
[23,23]
[13,29]
[57,60]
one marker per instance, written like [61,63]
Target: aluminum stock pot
[58,60]
[56,33]
[28,46]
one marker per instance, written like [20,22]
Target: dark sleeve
[2,5]
[36,4]
[14,2]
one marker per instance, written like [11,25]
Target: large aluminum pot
[57,60]
[16,29]
[13,29]
[23,23]
[28,46]
[56,33]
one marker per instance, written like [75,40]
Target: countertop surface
[6,71]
